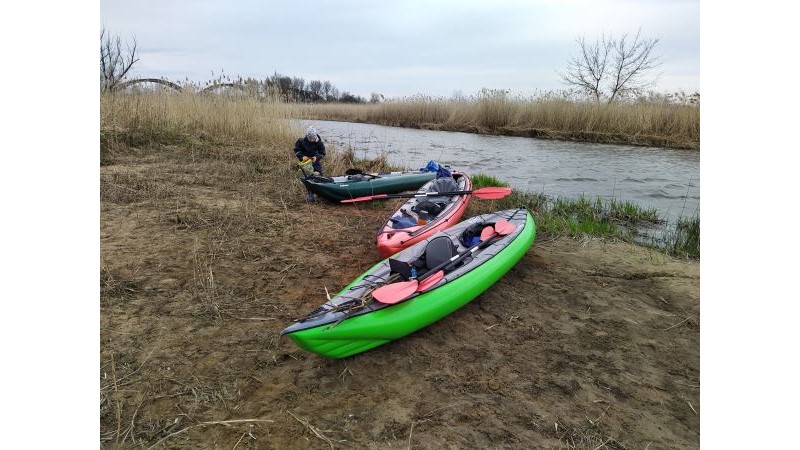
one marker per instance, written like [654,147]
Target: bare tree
[612,68]
[298,88]
[375,97]
[326,90]
[315,88]
[115,61]
[631,61]
[587,70]
[334,95]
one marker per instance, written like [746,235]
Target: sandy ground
[583,344]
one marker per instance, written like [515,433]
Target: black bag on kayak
[429,208]
[401,268]
[472,235]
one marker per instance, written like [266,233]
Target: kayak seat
[438,250]
[447,184]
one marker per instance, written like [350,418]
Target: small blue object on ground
[310,197]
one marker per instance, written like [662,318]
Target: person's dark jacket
[304,147]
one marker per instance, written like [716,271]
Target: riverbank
[201,272]
[208,250]
[644,123]
[598,217]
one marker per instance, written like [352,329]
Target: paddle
[396,292]
[360,172]
[487,193]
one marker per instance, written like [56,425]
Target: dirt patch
[582,344]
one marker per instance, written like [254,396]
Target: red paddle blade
[427,283]
[487,232]
[365,199]
[395,292]
[491,193]
[504,227]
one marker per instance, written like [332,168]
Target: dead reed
[245,134]
[653,123]
[159,116]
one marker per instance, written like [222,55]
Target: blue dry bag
[433,166]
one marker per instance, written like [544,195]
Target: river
[667,179]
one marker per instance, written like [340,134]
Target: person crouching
[310,147]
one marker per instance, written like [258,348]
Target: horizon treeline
[290,89]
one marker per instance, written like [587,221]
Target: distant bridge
[126,84]
[172,85]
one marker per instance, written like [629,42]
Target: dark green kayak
[353,321]
[345,187]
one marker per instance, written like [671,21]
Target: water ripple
[577,179]
[666,179]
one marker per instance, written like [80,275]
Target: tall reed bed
[235,128]
[156,116]
[654,123]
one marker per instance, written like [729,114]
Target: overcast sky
[398,48]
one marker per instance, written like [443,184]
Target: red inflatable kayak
[421,217]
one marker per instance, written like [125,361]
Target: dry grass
[209,247]
[237,133]
[642,123]
[237,120]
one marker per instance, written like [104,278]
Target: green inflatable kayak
[417,286]
[345,187]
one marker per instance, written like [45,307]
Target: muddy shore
[584,344]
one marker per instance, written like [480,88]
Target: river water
[666,179]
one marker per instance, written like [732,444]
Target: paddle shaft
[429,194]
[485,193]
[373,175]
